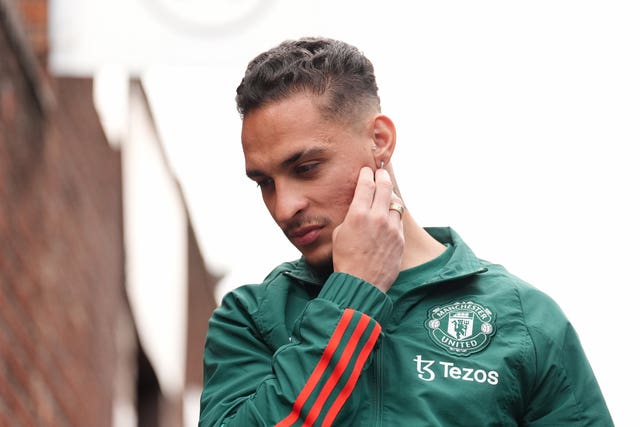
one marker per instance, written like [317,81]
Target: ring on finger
[393,206]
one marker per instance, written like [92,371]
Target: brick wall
[61,252]
[68,349]
[34,13]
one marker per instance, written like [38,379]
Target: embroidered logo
[461,327]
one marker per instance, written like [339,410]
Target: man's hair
[338,73]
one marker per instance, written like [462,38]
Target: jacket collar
[462,263]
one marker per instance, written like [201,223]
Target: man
[381,322]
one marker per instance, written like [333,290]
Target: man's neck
[419,246]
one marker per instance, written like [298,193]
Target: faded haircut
[338,73]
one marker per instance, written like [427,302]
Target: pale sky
[518,125]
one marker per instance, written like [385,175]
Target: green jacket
[455,342]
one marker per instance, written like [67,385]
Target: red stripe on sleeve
[351,383]
[319,369]
[338,370]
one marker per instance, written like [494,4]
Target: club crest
[461,327]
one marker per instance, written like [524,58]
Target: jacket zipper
[377,394]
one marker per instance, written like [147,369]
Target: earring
[381,164]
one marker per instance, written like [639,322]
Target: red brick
[61,253]
[34,12]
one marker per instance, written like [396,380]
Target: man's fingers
[376,194]
[365,189]
[369,243]
[384,188]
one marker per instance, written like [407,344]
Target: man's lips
[305,235]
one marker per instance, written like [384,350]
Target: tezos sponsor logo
[430,370]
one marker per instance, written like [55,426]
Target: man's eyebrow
[313,151]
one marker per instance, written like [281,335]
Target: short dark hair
[316,65]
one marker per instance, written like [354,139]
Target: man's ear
[383,133]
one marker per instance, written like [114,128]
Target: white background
[518,125]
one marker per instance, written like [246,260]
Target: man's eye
[306,167]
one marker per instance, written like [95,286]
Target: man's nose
[289,201]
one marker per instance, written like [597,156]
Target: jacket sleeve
[563,389]
[247,383]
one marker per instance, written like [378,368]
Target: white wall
[155,227]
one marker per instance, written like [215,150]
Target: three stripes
[337,371]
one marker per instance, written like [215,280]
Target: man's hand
[369,243]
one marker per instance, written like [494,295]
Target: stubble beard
[324,265]
[324,262]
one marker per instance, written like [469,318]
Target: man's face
[306,168]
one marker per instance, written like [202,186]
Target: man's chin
[322,264]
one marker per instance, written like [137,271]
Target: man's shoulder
[510,282]
[256,292]
[271,305]
[538,307]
